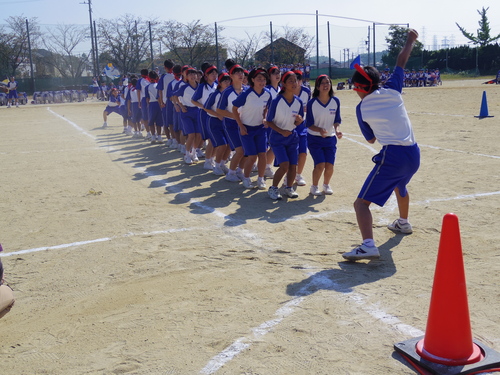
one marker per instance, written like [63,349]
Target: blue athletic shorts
[216,132]
[394,168]
[322,150]
[232,133]
[190,121]
[255,142]
[136,112]
[286,149]
[110,110]
[155,117]
[144,109]
[203,124]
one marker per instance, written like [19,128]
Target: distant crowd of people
[416,78]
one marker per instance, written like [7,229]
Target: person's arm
[404,54]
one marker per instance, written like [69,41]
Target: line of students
[247,121]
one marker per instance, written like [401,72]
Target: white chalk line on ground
[104,239]
[244,343]
[318,282]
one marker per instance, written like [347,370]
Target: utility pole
[94,68]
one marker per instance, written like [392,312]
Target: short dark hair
[144,72]
[372,73]
[168,64]
[177,69]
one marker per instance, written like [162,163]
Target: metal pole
[31,58]
[216,46]
[374,44]
[317,45]
[151,46]
[272,44]
[329,52]
[94,68]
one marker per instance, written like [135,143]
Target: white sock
[369,242]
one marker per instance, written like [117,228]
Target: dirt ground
[124,260]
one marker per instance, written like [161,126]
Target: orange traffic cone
[448,347]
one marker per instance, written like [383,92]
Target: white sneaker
[195,157]
[274,193]
[327,189]
[315,190]
[300,180]
[269,173]
[174,144]
[200,154]
[187,159]
[182,148]
[104,125]
[218,171]
[208,165]
[290,192]
[240,174]
[362,252]
[247,183]
[261,183]
[149,137]
[224,168]
[124,131]
[396,226]
[231,177]
[159,140]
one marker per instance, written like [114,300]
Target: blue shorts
[216,132]
[394,168]
[136,112]
[286,149]
[170,113]
[190,121]
[154,114]
[177,121]
[144,109]
[203,124]
[232,132]
[12,94]
[302,143]
[322,150]
[110,110]
[255,142]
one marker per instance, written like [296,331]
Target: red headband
[236,66]
[361,71]
[287,74]
[222,76]
[210,69]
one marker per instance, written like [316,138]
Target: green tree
[395,42]
[483,37]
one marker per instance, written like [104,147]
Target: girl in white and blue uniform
[207,86]
[225,109]
[304,93]
[172,117]
[113,106]
[322,122]
[133,108]
[162,85]
[284,115]
[141,94]
[12,95]
[215,127]
[155,116]
[273,86]
[177,109]
[189,115]
[249,110]
[382,116]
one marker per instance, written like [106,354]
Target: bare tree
[14,42]
[243,50]
[191,43]
[62,42]
[124,41]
